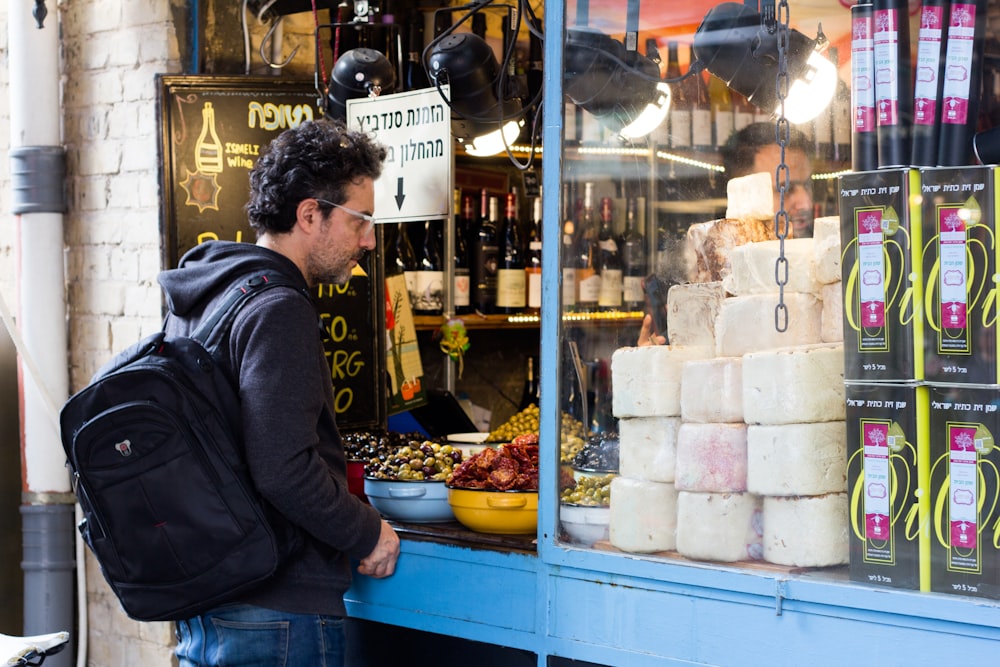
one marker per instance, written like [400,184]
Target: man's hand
[646,335]
[381,562]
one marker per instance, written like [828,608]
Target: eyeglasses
[369,220]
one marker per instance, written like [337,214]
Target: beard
[334,268]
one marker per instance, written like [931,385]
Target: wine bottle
[484,266]
[963,67]
[927,83]
[742,113]
[415,75]
[723,114]
[680,105]
[529,395]
[841,117]
[430,274]
[893,83]
[406,260]
[823,132]
[588,280]
[701,110]
[510,272]
[610,261]
[461,284]
[864,143]
[633,259]
[533,260]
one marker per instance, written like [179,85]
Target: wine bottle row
[497,264]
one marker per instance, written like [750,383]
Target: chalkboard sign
[212,129]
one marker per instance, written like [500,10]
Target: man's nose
[368,240]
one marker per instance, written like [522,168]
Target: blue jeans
[247,636]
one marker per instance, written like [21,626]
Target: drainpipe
[38,170]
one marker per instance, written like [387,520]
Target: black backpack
[155,447]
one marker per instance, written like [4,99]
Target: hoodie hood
[209,268]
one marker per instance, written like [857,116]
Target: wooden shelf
[477,321]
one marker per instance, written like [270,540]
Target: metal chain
[782,133]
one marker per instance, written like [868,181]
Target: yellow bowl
[502,512]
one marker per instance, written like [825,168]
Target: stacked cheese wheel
[737,452]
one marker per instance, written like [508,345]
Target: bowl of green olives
[585,509]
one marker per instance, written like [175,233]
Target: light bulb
[651,117]
[494,142]
[812,92]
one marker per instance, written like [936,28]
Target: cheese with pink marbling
[711,458]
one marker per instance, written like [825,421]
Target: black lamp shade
[612,84]
[355,74]
[733,46]
[467,63]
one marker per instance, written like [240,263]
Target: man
[755,149]
[311,202]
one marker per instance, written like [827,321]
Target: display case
[733,452]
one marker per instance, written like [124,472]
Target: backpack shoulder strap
[213,327]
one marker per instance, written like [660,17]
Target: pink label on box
[871,265]
[876,471]
[964,479]
[953,267]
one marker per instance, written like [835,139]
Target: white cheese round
[712,390]
[826,233]
[752,268]
[643,515]
[832,319]
[647,447]
[723,527]
[711,458]
[797,459]
[646,381]
[794,385]
[692,309]
[806,531]
[746,323]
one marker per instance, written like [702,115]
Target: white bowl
[585,524]
[473,438]
[424,501]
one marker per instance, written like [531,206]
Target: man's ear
[308,215]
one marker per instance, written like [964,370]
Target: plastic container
[502,512]
[585,524]
[412,501]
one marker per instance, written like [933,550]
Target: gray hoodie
[294,451]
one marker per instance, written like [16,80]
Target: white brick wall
[112,51]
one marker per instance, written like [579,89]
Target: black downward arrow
[399,193]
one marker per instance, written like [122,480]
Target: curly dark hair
[316,159]
[740,150]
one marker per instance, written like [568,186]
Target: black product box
[883,292]
[887,432]
[965,491]
[960,275]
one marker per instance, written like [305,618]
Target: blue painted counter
[618,609]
